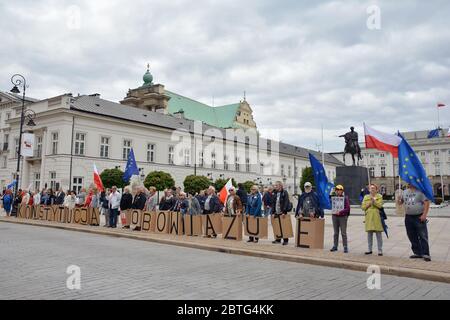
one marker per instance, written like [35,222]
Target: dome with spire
[148,78]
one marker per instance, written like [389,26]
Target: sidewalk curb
[421,274]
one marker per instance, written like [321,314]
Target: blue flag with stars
[131,169]
[411,169]
[434,134]
[323,187]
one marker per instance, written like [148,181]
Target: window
[422,153]
[16,147]
[213,160]
[289,171]
[247,164]
[438,169]
[261,167]
[383,172]
[381,155]
[77,184]
[104,147]
[79,143]
[171,154]
[187,157]
[371,156]
[282,170]
[6,142]
[55,142]
[126,149]
[4,162]
[225,163]
[8,115]
[436,153]
[53,180]
[37,181]
[39,147]
[201,162]
[150,152]
[237,164]
[372,172]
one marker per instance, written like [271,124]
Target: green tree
[112,177]
[160,180]
[248,185]
[220,183]
[307,176]
[193,184]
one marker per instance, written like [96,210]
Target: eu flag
[411,169]
[434,134]
[131,169]
[323,186]
[12,184]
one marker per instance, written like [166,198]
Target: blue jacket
[314,198]
[254,203]
[7,202]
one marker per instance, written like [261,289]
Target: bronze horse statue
[352,145]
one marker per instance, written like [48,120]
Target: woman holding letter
[254,204]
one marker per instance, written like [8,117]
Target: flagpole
[323,154]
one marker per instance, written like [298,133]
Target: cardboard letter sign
[128,217]
[282,226]
[94,216]
[232,228]
[135,219]
[176,223]
[310,233]
[43,214]
[256,227]
[58,213]
[162,222]
[148,221]
[29,212]
[76,215]
[212,224]
[193,225]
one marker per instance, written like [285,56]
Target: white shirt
[114,200]
[37,198]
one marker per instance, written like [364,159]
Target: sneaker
[333,249]
[367,253]
[415,256]
[427,259]
[345,250]
[275,242]
[380,254]
[249,240]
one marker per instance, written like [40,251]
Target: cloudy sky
[303,64]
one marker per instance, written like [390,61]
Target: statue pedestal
[353,179]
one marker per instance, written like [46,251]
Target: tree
[160,180]
[193,184]
[307,176]
[220,183]
[248,185]
[112,177]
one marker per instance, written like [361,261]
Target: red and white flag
[441,105]
[223,194]
[382,141]
[97,180]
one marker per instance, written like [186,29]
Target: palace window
[225,163]
[39,146]
[372,172]
[77,184]
[4,162]
[37,181]
[237,164]
[80,139]
[171,154]
[213,160]
[201,161]
[282,170]
[187,157]
[383,172]
[16,147]
[104,147]
[289,171]
[151,152]
[53,180]
[247,164]
[126,149]
[55,137]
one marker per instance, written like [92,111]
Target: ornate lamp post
[19,81]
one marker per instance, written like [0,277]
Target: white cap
[308,184]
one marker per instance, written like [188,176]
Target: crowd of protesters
[260,202]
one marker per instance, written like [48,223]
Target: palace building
[74,132]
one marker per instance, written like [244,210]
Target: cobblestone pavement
[34,260]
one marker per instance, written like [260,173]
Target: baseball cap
[339,187]
[308,184]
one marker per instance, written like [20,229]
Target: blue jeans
[418,235]
[113,213]
[267,211]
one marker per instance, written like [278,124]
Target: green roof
[222,116]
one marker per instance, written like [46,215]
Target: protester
[104,208]
[70,200]
[44,196]
[417,207]
[126,203]
[95,199]
[81,197]
[87,202]
[212,202]
[282,206]
[152,200]
[114,205]
[25,198]
[340,217]
[7,202]
[233,204]
[194,207]
[242,194]
[36,198]
[253,207]
[50,199]
[372,204]
[267,200]
[182,204]
[168,201]
[308,204]
[59,197]
[201,197]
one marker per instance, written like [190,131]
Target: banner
[282,226]
[310,233]
[212,224]
[176,223]
[27,145]
[256,227]
[193,225]
[148,223]
[232,228]
[162,222]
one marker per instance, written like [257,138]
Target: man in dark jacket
[126,203]
[308,204]
[167,202]
[60,196]
[242,194]
[182,204]
[139,202]
[281,206]
[212,202]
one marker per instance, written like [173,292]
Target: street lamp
[19,81]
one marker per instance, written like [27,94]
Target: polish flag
[223,194]
[97,180]
[382,141]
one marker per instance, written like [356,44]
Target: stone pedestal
[353,179]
